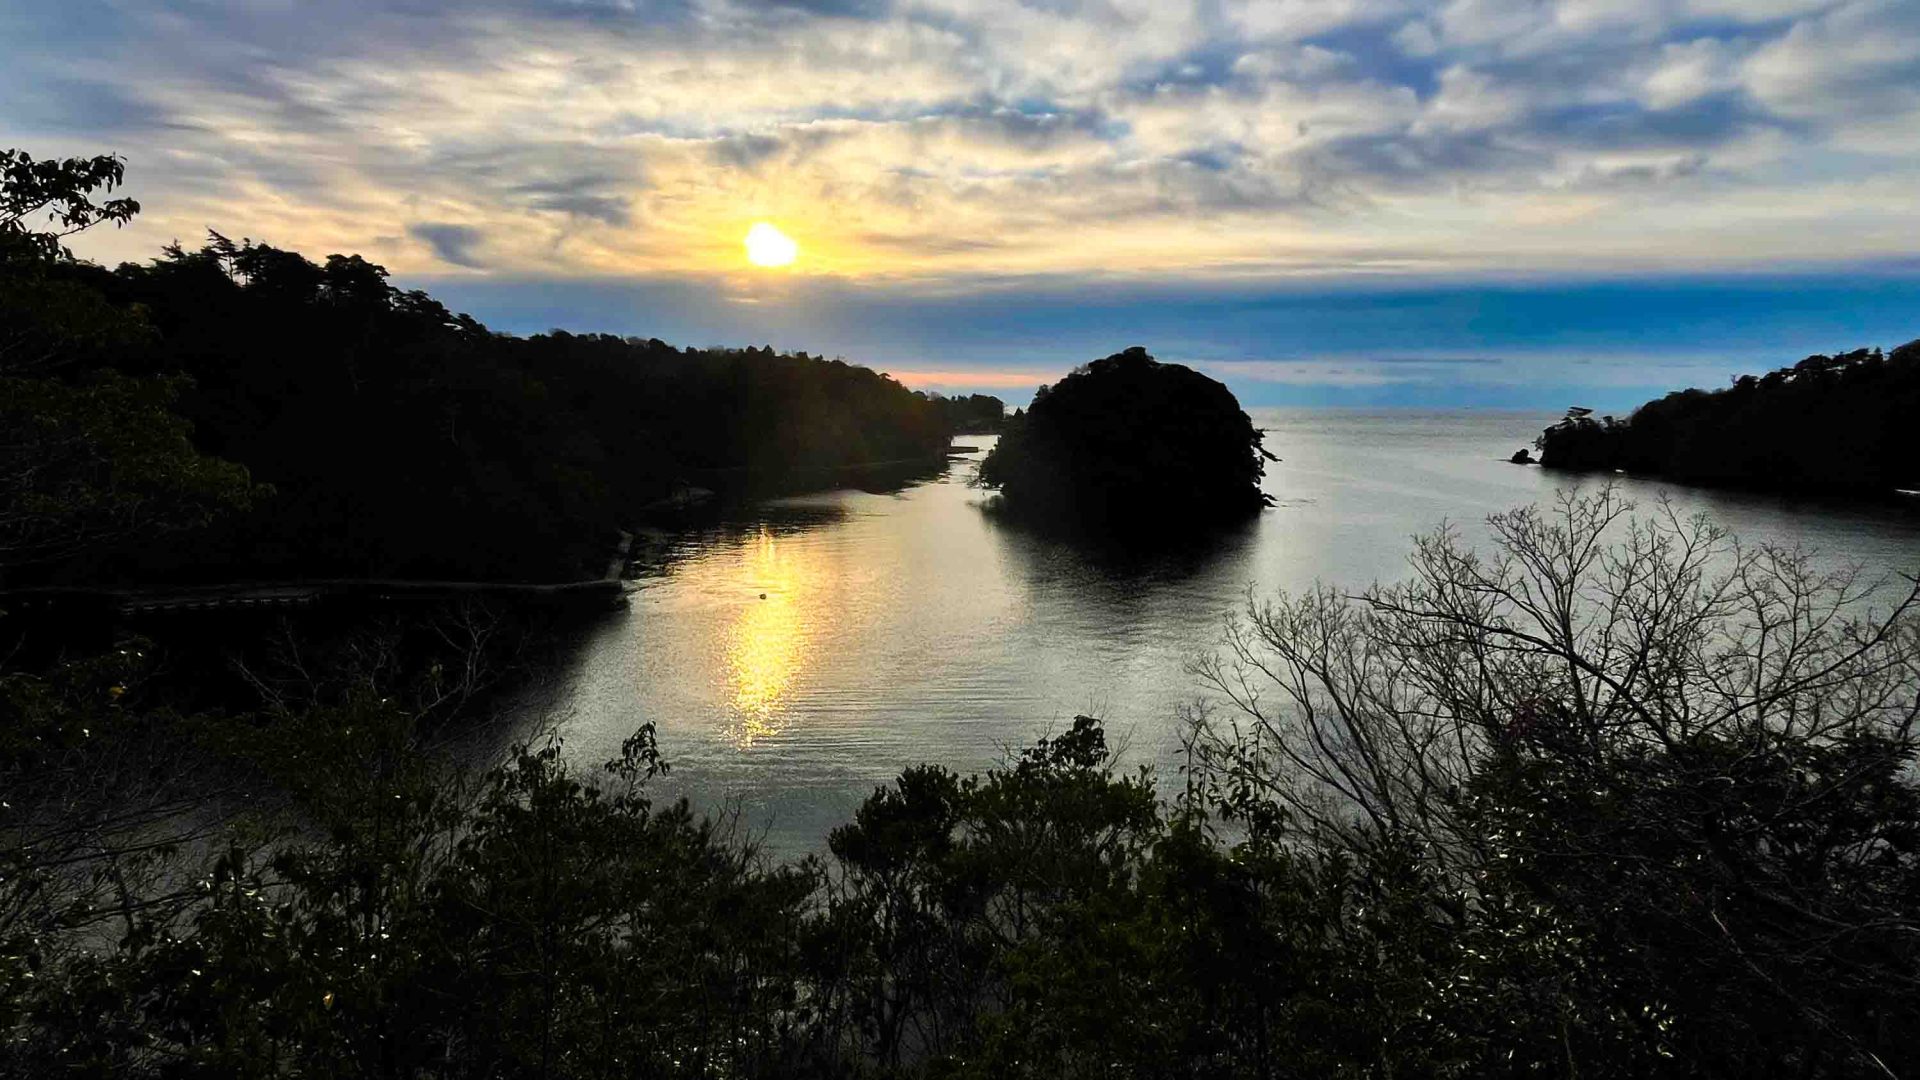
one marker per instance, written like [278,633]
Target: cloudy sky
[1390,201]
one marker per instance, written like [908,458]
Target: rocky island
[1133,443]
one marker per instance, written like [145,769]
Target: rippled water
[800,656]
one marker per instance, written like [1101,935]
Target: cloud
[605,209]
[451,243]
[1860,61]
[975,378]
[962,140]
[1305,373]
[745,151]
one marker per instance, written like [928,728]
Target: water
[797,658]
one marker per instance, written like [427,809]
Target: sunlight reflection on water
[767,644]
[909,627]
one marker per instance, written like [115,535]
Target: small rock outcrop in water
[1130,442]
[1522,456]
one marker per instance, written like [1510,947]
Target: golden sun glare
[768,246]
[767,645]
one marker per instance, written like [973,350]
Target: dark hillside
[1841,423]
[402,439]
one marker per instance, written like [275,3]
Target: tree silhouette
[91,457]
[1828,423]
[61,191]
[402,439]
[1130,441]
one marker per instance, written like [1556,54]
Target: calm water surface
[798,657]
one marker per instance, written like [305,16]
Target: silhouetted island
[1840,424]
[1134,442]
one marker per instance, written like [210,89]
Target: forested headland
[367,430]
[1841,423]
[974,414]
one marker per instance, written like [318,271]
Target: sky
[1524,203]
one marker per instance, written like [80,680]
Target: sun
[768,246]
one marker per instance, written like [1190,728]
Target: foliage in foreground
[91,457]
[1617,799]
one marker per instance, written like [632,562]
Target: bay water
[800,652]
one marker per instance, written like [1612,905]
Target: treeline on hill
[973,414]
[386,436]
[1840,423]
